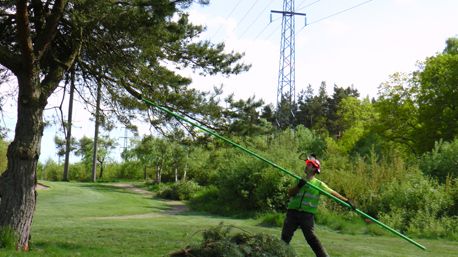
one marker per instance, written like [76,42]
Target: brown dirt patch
[41,187]
[176,207]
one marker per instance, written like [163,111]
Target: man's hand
[301,183]
[352,205]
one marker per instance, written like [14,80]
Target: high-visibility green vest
[308,198]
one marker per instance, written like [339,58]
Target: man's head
[312,164]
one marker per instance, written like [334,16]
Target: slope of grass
[79,219]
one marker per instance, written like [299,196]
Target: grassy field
[80,219]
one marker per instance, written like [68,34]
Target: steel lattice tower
[286,90]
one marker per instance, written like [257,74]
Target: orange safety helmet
[314,161]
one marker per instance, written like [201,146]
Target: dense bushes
[419,197]
[244,184]
[441,161]
[389,188]
[179,191]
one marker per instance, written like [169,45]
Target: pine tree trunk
[96,132]
[17,184]
[69,127]
[101,171]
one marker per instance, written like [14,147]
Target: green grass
[82,219]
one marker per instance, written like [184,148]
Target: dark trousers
[306,222]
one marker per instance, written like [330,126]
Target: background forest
[395,155]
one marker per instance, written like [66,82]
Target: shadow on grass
[107,188]
[64,246]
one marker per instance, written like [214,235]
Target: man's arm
[294,190]
[343,198]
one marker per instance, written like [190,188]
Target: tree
[333,120]
[305,112]
[144,153]
[125,43]
[61,146]
[85,149]
[398,111]
[356,120]
[319,110]
[243,117]
[438,98]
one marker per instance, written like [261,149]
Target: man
[303,205]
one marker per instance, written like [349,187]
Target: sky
[355,43]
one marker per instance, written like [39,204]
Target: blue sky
[359,47]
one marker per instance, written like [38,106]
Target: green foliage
[179,191]
[3,159]
[438,107]
[244,117]
[441,161]
[50,170]
[8,238]
[356,118]
[398,112]
[392,190]
[130,170]
[271,219]
[207,200]
[220,241]
[411,200]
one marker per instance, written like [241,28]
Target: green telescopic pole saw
[255,155]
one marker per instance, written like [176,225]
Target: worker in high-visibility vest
[303,204]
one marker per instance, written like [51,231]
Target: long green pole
[386,227]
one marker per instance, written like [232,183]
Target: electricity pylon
[286,90]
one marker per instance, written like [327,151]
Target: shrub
[219,241]
[8,238]
[273,219]
[441,161]
[179,191]
[79,172]
[130,170]
[207,200]
[50,170]
[417,205]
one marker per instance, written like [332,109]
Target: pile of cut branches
[219,241]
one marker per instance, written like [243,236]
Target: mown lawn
[81,219]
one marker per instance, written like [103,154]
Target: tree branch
[47,35]
[52,79]
[9,60]
[37,6]
[23,33]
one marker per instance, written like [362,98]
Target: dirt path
[176,207]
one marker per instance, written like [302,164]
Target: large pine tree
[122,43]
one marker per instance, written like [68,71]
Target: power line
[259,34]
[303,7]
[257,17]
[227,17]
[248,11]
[340,12]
